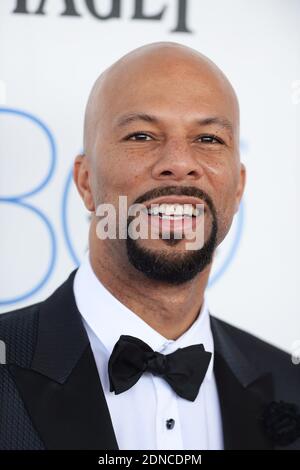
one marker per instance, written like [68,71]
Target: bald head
[130,75]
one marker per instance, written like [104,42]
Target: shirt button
[170,423]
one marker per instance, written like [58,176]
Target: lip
[175,200]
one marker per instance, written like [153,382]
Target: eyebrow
[133,117]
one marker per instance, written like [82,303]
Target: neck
[168,309]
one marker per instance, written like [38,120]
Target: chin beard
[172,268]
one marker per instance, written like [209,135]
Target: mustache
[177,191]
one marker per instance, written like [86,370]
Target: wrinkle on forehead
[160,59]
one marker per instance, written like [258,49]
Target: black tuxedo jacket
[51,396]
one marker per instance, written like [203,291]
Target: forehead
[173,88]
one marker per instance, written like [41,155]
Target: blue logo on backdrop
[19,200]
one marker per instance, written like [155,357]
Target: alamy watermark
[2,352]
[296,352]
[295,85]
[154,221]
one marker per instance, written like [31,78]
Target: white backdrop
[48,63]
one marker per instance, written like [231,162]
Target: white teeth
[169,209]
[197,211]
[162,208]
[188,209]
[177,211]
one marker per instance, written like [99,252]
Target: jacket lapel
[241,408]
[62,390]
[243,393]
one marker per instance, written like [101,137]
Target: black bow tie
[184,369]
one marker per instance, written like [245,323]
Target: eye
[138,136]
[210,139]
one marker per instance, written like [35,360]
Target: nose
[177,162]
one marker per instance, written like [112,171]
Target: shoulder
[21,329]
[14,318]
[262,355]
[18,333]
[17,320]
[18,314]
[250,344]
[23,318]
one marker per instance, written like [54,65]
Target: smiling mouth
[174,208]
[175,211]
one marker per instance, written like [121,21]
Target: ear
[241,186]
[81,176]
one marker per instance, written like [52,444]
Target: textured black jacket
[51,395]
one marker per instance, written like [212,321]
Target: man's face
[168,133]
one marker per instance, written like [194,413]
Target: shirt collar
[109,318]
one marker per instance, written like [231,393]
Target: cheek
[116,175]
[225,204]
[224,180]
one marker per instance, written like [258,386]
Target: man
[125,355]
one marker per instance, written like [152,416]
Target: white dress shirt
[139,414]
